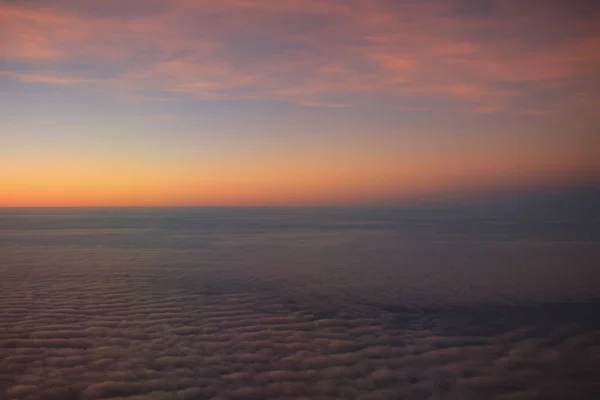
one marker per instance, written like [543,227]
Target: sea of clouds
[101,314]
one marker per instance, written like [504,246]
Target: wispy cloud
[308,52]
[47,78]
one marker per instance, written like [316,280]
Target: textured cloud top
[135,310]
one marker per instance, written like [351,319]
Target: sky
[295,102]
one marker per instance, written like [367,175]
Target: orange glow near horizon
[274,182]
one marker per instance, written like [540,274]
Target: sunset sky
[293,102]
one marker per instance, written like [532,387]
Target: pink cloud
[47,78]
[314,53]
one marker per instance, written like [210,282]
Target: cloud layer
[84,323]
[459,53]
